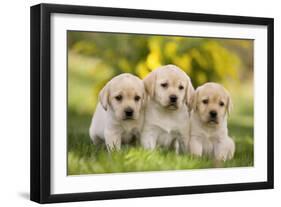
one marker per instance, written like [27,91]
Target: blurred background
[95,57]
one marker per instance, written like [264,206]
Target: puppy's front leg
[195,146]
[224,149]
[177,146]
[184,141]
[149,138]
[113,139]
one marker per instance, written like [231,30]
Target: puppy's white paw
[195,147]
[149,144]
[225,150]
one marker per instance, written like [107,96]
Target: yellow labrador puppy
[166,115]
[211,104]
[119,114]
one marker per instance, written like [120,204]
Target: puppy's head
[169,86]
[211,102]
[124,95]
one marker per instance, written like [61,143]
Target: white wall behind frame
[14,110]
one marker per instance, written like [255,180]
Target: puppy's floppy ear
[229,105]
[193,101]
[149,83]
[144,99]
[144,95]
[189,93]
[104,95]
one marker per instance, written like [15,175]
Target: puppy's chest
[172,125]
[209,135]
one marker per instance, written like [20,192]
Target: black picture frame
[41,99]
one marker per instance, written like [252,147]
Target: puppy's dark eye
[181,87]
[164,85]
[119,98]
[137,98]
[205,101]
[221,103]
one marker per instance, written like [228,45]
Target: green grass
[85,158]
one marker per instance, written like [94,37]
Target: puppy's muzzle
[129,113]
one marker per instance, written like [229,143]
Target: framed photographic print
[133,103]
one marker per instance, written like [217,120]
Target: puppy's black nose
[129,112]
[173,98]
[213,114]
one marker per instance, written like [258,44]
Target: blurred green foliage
[203,59]
[96,57]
